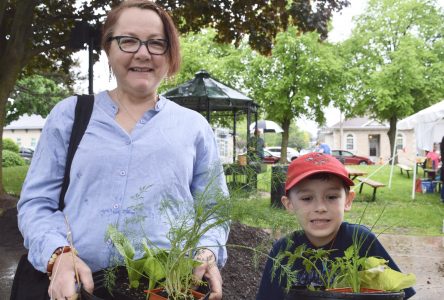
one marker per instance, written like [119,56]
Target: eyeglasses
[131,44]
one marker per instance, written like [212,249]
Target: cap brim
[301,177]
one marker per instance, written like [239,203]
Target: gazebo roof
[204,93]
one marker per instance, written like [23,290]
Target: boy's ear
[287,203]
[349,200]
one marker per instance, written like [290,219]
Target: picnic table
[405,168]
[353,173]
[373,183]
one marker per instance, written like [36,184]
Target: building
[225,142]
[25,131]
[366,137]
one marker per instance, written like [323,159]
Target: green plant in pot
[348,277]
[155,266]
[172,269]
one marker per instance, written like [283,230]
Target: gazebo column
[234,134]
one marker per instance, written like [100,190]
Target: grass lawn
[13,178]
[401,215]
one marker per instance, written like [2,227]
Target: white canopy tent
[428,125]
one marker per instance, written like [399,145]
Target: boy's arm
[270,288]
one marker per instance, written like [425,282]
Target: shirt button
[115,206]
[142,121]
[122,173]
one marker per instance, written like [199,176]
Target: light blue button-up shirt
[117,179]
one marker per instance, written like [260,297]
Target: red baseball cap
[314,163]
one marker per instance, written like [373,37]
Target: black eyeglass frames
[131,44]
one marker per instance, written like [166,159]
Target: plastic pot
[101,292]
[343,293]
[160,294]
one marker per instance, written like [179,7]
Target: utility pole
[341,130]
[85,33]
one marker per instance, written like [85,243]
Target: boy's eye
[332,197]
[306,198]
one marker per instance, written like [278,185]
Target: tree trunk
[392,135]
[13,58]
[286,127]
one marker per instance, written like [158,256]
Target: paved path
[423,256]
[11,248]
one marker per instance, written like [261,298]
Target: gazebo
[206,95]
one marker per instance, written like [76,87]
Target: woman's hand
[63,282]
[210,271]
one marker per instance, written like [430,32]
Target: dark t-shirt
[273,289]
[257,143]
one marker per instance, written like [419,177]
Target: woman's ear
[349,200]
[287,203]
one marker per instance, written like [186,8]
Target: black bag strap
[84,108]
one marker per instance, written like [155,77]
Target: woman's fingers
[63,282]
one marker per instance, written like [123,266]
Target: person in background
[256,147]
[432,162]
[135,138]
[322,148]
[441,149]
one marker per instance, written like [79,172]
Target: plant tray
[339,294]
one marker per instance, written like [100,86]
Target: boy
[318,193]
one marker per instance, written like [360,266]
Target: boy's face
[319,205]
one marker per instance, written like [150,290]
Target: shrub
[12,159]
[9,144]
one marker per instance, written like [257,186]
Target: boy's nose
[320,205]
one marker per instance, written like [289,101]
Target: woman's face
[138,74]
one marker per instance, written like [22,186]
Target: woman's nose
[143,52]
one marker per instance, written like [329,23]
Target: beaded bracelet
[57,252]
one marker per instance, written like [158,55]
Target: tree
[34,39]
[300,78]
[396,55]
[257,20]
[34,35]
[297,138]
[34,94]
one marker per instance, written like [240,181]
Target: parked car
[276,151]
[270,158]
[348,158]
[26,153]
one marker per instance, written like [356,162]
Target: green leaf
[121,243]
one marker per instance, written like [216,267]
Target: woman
[136,141]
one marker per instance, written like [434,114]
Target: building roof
[27,122]
[362,123]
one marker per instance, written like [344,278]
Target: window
[350,142]
[400,141]
[19,141]
[33,142]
